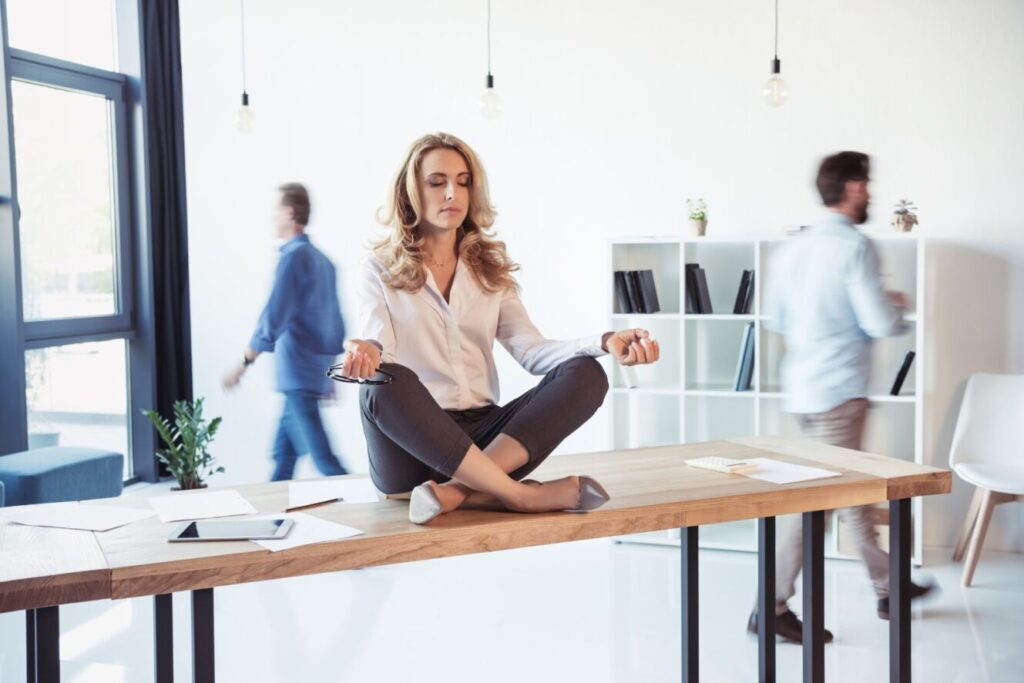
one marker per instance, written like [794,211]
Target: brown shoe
[916,591]
[787,626]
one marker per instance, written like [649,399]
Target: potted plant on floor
[697,209]
[904,217]
[187,440]
[41,432]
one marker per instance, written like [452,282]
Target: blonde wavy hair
[401,250]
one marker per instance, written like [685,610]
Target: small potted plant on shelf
[904,217]
[697,210]
[187,440]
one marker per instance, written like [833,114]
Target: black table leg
[202,635]
[690,594]
[30,645]
[899,590]
[42,637]
[766,599]
[163,641]
[814,596]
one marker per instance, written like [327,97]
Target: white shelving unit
[687,396]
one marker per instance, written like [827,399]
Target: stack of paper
[307,530]
[303,493]
[77,516]
[205,505]
[778,472]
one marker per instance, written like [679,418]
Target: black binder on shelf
[702,291]
[745,294]
[621,293]
[748,302]
[745,360]
[633,291]
[648,292]
[692,295]
[901,376]
[741,293]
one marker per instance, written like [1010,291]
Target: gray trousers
[411,439]
[842,426]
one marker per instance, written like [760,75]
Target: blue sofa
[59,473]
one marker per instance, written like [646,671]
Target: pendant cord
[489,37]
[241,4]
[776,29]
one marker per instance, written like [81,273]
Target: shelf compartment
[712,353]
[712,418]
[645,419]
[886,358]
[723,264]
[662,258]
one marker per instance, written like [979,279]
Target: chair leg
[965,533]
[988,503]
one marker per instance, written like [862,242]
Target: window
[77,394]
[64,168]
[84,354]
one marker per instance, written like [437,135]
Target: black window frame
[133,319]
[28,67]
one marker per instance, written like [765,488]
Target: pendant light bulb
[245,117]
[775,90]
[490,101]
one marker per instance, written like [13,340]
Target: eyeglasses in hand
[382,377]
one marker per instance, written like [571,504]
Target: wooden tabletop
[650,489]
[41,567]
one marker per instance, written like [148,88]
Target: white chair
[988,452]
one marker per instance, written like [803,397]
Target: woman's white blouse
[449,345]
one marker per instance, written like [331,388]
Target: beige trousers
[842,426]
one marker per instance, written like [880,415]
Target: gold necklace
[442,264]
[438,264]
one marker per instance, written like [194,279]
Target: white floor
[593,611]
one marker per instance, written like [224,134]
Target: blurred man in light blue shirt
[825,297]
[827,301]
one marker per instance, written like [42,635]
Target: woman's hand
[632,347]
[362,359]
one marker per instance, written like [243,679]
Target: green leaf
[187,440]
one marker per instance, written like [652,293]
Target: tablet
[232,530]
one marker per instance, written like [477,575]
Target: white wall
[614,114]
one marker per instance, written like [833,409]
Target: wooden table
[651,489]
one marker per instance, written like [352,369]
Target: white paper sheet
[778,472]
[302,493]
[78,516]
[308,530]
[204,505]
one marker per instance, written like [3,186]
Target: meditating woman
[433,297]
